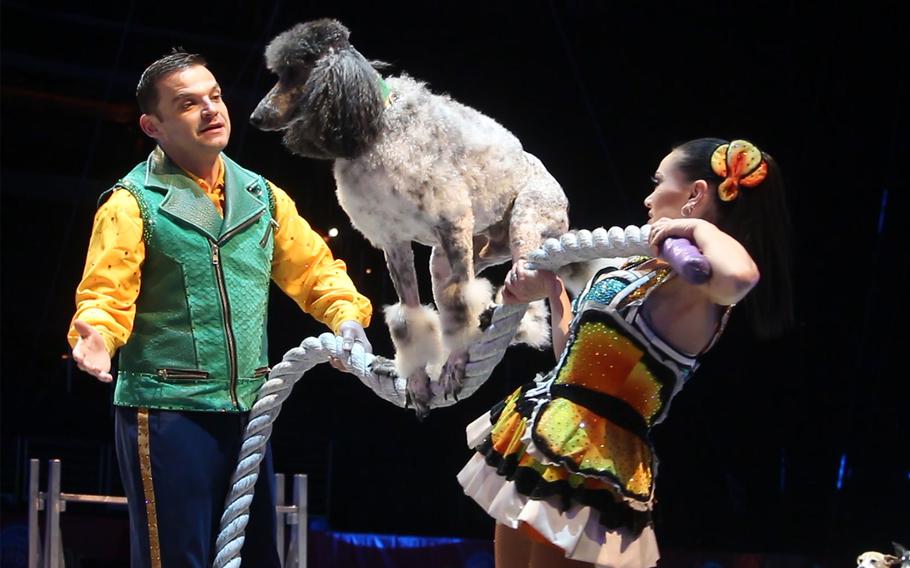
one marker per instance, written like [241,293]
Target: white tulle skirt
[576,530]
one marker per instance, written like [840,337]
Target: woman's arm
[524,286]
[560,314]
[733,272]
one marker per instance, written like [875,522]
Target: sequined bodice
[613,352]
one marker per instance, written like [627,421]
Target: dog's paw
[417,337]
[419,393]
[486,318]
[383,367]
[452,377]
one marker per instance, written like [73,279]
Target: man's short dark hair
[147,89]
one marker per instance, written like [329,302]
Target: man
[204,237]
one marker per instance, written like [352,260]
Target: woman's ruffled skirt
[516,483]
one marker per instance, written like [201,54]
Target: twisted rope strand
[378,373]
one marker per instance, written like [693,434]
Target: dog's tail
[534,328]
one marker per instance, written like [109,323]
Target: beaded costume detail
[579,436]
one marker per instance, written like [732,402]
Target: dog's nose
[256,119]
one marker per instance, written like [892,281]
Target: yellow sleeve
[106,296]
[304,268]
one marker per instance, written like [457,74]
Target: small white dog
[876,560]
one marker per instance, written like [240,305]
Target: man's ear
[149,124]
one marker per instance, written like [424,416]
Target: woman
[565,464]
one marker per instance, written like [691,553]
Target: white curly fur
[419,167]
[476,295]
[438,160]
[534,328]
[421,341]
[443,170]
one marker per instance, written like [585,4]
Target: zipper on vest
[167,374]
[226,317]
[273,226]
[226,306]
[241,226]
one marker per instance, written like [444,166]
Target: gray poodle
[410,166]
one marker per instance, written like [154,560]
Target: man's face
[191,120]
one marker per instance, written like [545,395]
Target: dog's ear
[305,42]
[342,104]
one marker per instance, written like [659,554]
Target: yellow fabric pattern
[302,266]
[106,296]
[604,360]
[594,444]
[506,438]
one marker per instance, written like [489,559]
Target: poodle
[413,166]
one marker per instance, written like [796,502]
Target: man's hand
[91,354]
[351,332]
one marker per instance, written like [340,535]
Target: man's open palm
[91,354]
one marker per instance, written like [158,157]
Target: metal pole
[34,505]
[87,498]
[52,517]
[280,516]
[300,500]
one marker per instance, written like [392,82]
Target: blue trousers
[176,469]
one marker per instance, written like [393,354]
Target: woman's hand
[524,286]
[665,227]
[733,272]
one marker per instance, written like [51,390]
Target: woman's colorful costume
[569,453]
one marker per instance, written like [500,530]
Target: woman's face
[671,191]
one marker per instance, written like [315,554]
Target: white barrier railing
[48,553]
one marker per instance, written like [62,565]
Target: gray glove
[352,332]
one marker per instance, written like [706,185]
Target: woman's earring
[686,210]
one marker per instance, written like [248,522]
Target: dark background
[795,445]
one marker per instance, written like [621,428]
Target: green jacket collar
[185,200]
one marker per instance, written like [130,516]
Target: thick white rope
[379,375]
[271,396]
[577,246]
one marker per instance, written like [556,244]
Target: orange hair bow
[740,163]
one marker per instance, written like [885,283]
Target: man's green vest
[199,337]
